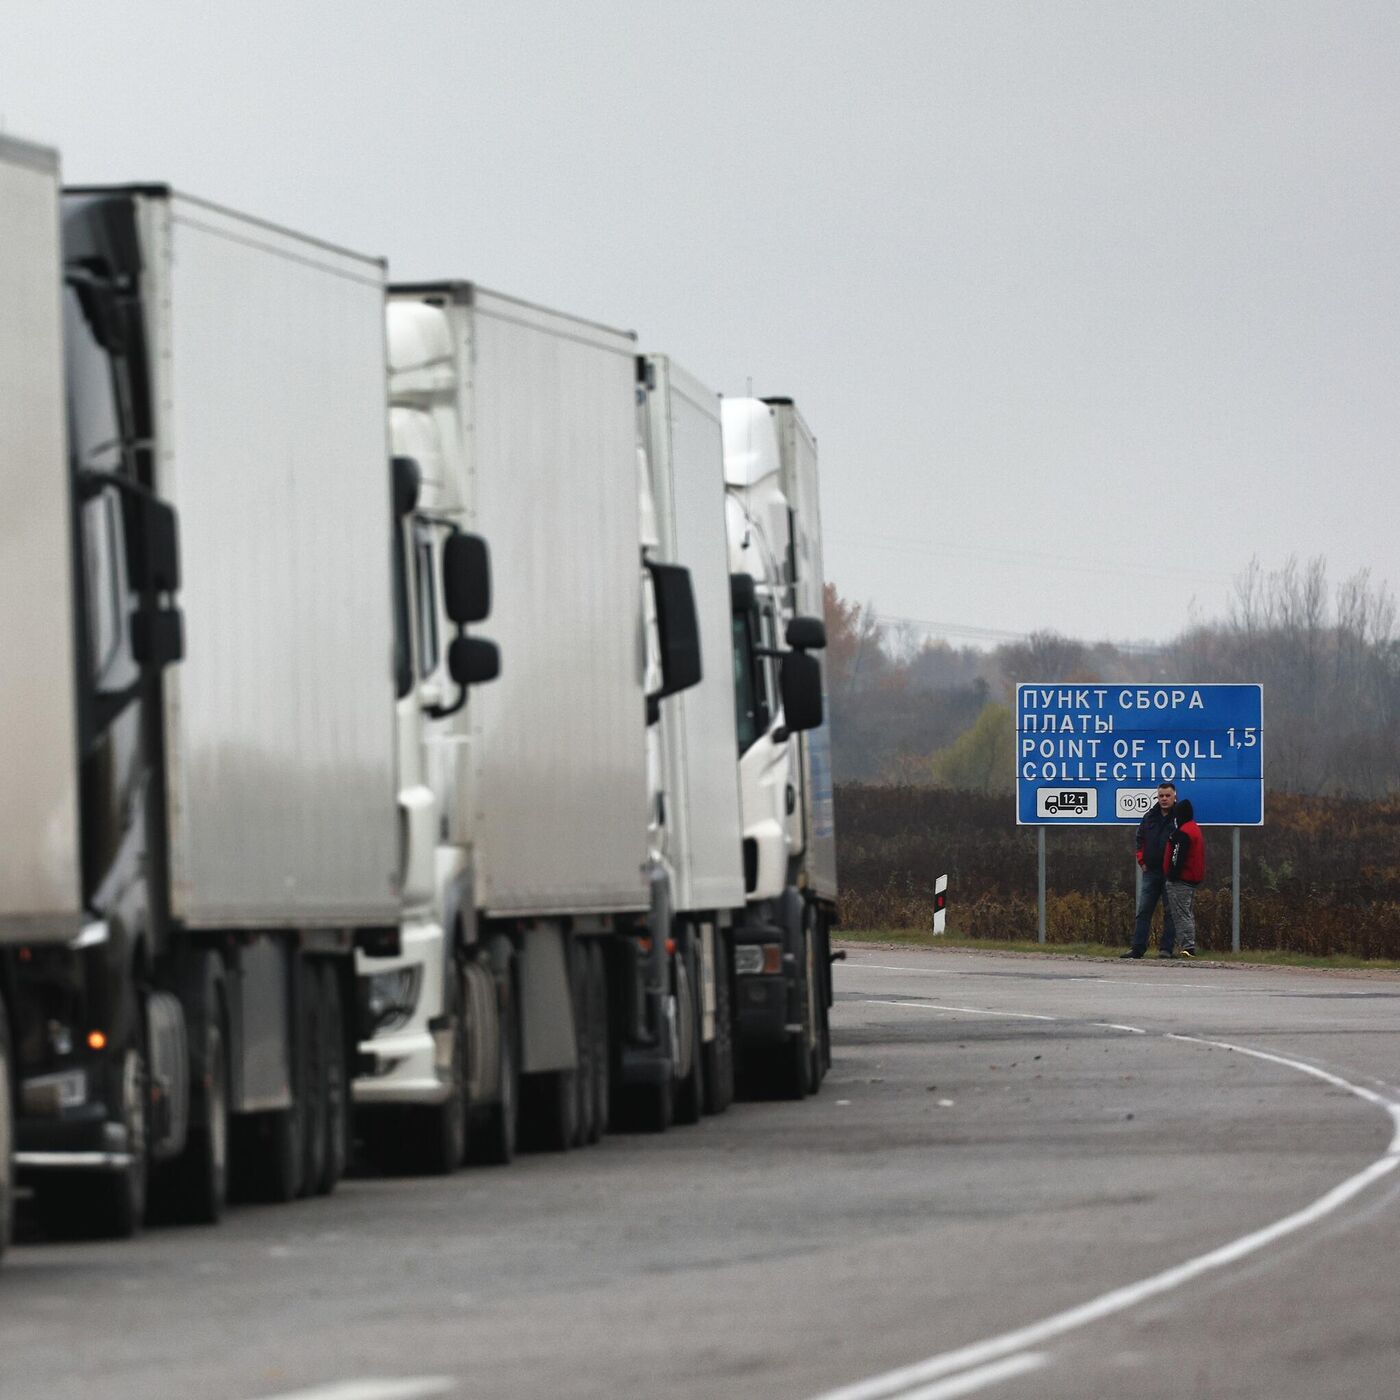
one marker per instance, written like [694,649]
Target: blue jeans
[1153,887]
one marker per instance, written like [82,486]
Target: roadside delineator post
[940,904]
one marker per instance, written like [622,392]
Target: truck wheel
[719,1053]
[794,1062]
[823,963]
[816,1008]
[193,1189]
[275,1143]
[652,1106]
[7,1138]
[496,1141]
[337,1096]
[690,1088]
[313,1080]
[551,1102]
[580,986]
[438,1142]
[602,1043]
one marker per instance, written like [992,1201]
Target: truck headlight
[753,958]
[47,1095]
[391,998]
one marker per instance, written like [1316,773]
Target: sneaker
[1129,955]
[1165,954]
[1188,952]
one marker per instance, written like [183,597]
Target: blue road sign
[1092,755]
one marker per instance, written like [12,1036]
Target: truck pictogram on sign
[1067,802]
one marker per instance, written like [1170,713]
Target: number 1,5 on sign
[1243,738]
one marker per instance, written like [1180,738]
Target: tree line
[923,713]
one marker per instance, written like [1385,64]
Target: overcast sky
[1087,303]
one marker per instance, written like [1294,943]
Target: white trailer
[531,812]
[239,828]
[797,453]
[702,827]
[40,879]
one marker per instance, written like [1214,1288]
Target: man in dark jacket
[1153,833]
[1184,866]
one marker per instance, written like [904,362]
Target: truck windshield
[750,711]
[96,440]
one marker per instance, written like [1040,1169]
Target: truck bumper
[88,1143]
[761,1009]
[408,1064]
[646,1064]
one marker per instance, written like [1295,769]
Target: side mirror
[152,536]
[800,680]
[743,593]
[679,628]
[408,482]
[806,633]
[466,578]
[157,637]
[473,661]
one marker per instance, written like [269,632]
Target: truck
[782,941]
[532,991]
[697,830]
[38,816]
[200,813]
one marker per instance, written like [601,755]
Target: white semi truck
[782,958]
[200,815]
[38,812]
[697,825]
[535,982]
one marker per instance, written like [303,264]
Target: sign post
[1040,880]
[1234,891]
[1093,755]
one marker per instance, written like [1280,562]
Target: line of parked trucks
[411,719]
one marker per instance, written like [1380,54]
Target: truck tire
[690,1087]
[7,1136]
[313,1082]
[824,1001]
[580,987]
[438,1134]
[816,1009]
[271,1146]
[652,1107]
[495,1141]
[336,1062]
[793,1062]
[550,1102]
[193,1189]
[719,1053]
[602,1041]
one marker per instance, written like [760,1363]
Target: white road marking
[978,1379]
[374,1388]
[966,1010]
[1232,989]
[902,1382]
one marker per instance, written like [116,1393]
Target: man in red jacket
[1184,865]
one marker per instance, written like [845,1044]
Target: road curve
[1023,1177]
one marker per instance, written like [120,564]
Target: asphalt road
[1023,1177]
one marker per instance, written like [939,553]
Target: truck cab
[781,947]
